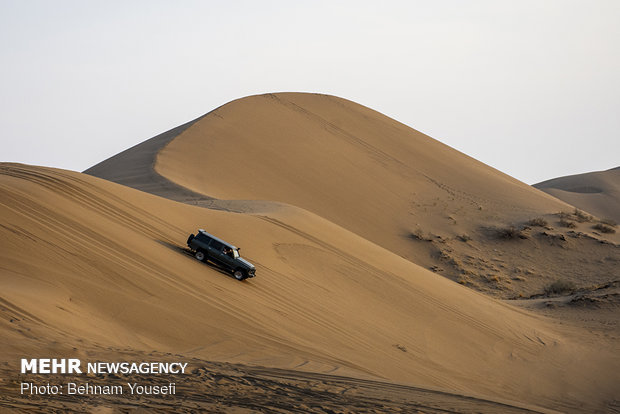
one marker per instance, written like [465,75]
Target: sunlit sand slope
[389,184]
[91,263]
[345,162]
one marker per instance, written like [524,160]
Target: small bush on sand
[463,237]
[564,214]
[609,222]
[581,216]
[511,232]
[567,223]
[538,222]
[418,234]
[604,228]
[560,286]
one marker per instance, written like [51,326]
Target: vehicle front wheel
[200,256]
[239,274]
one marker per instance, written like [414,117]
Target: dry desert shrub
[552,237]
[418,234]
[511,232]
[464,237]
[609,222]
[567,223]
[604,228]
[493,278]
[560,286]
[462,280]
[400,347]
[564,215]
[582,217]
[538,222]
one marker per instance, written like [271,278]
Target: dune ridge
[134,168]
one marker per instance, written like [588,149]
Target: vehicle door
[215,252]
[228,258]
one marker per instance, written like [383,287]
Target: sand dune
[376,177]
[90,265]
[343,211]
[342,161]
[596,192]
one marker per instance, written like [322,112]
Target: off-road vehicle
[207,247]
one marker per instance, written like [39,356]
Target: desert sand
[378,178]
[596,192]
[344,211]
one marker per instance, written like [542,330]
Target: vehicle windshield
[235,253]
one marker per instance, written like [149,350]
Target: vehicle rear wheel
[239,274]
[200,256]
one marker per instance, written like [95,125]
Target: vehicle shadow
[187,252]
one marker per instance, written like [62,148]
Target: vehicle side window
[216,245]
[201,237]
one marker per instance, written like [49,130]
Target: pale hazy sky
[529,87]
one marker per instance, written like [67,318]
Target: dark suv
[208,247]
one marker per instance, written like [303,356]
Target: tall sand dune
[90,265]
[344,162]
[595,192]
[377,178]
